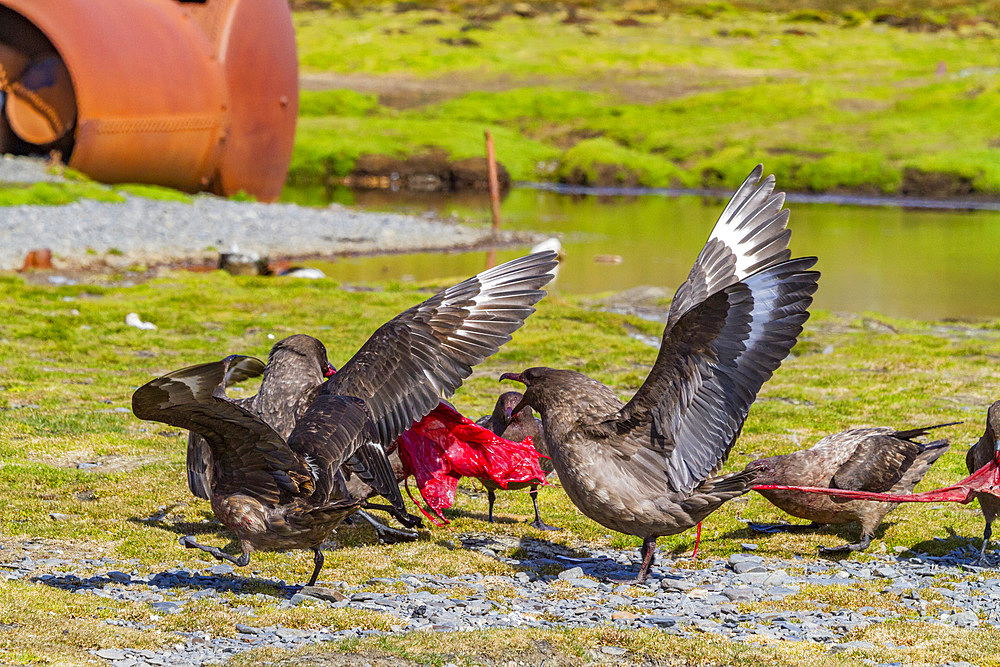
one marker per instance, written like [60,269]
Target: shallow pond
[925,264]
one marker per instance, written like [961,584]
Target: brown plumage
[979,455]
[862,459]
[647,467]
[272,493]
[277,495]
[296,367]
[516,426]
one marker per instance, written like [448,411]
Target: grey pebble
[111,654]
[683,601]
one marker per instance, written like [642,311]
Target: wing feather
[688,413]
[247,454]
[424,353]
[750,235]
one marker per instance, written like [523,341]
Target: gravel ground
[676,600]
[151,231]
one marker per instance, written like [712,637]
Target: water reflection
[925,264]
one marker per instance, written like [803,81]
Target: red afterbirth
[984,480]
[445,446]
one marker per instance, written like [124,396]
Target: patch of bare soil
[428,172]
[919,183]
[400,91]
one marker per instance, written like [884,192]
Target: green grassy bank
[876,99]
[68,364]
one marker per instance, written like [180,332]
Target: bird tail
[917,432]
[710,494]
[331,513]
[930,453]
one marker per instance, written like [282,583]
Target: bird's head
[505,410]
[541,385]
[302,356]
[765,470]
[993,427]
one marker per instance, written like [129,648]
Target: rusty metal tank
[191,95]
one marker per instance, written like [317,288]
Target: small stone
[741,563]
[246,629]
[221,569]
[662,621]
[572,573]
[323,593]
[111,654]
[746,546]
[56,516]
[669,584]
[966,619]
[290,633]
[740,594]
[119,577]
[581,582]
[612,650]
[623,616]
[166,607]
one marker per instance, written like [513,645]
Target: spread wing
[688,413]
[247,454]
[750,235]
[241,368]
[424,353]
[199,456]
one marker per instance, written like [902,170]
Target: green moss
[809,16]
[330,146]
[681,90]
[601,161]
[154,192]
[55,194]
[336,103]
[709,10]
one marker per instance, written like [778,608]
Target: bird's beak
[516,377]
[330,370]
[523,403]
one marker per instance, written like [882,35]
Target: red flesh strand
[984,480]
[697,541]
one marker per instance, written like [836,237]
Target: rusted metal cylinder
[196,96]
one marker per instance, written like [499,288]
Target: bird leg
[648,558]
[318,560]
[407,519]
[866,540]
[386,534]
[491,494]
[780,527]
[987,533]
[538,523]
[188,541]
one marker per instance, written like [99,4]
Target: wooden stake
[491,170]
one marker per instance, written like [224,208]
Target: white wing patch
[745,224]
[313,468]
